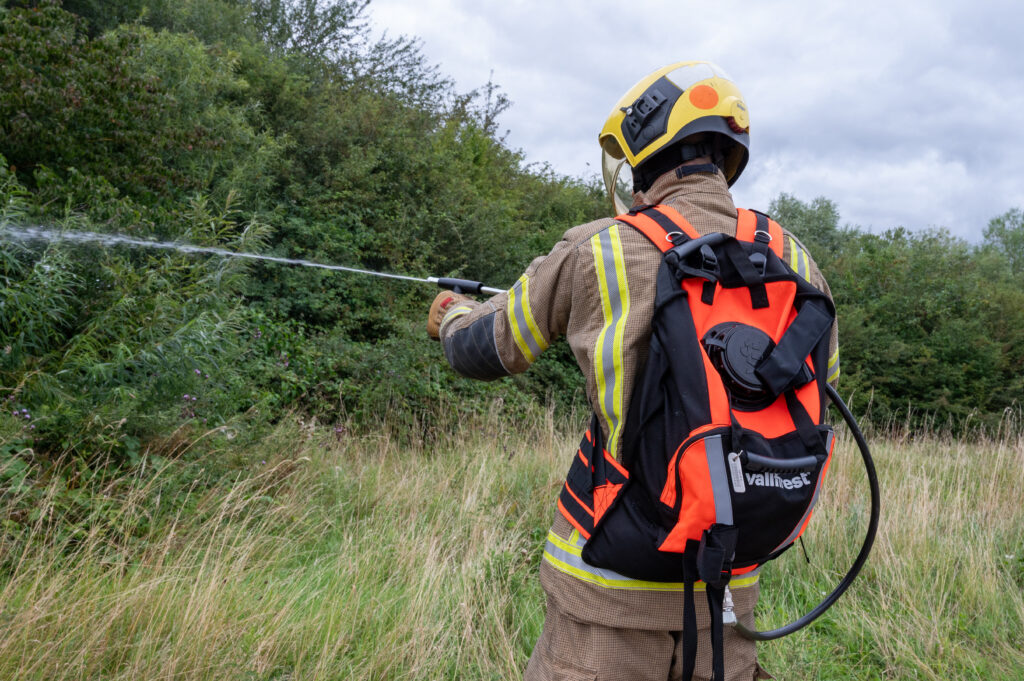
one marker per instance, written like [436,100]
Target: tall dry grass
[942,596]
[362,559]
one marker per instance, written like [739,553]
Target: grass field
[360,559]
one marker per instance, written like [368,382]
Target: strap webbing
[785,366]
[752,279]
[656,222]
[689,616]
[716,595]
[805,426]
[747,224]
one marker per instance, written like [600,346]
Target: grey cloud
[902,113]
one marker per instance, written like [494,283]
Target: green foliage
[283,128]
[1005,235]
[816,225]
[930,328]
[264,127]
[149,117]
[58,87]
[312,28]
[101,344]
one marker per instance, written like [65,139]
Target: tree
[315,28]
[1005,234]
[815,224]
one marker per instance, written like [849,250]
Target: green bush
[360,154]
[930,327]
[284,128]
[102,344]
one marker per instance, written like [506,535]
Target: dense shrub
[931,327]
[102,345]
[344,151]
[282,127]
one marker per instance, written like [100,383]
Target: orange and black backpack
[724,448]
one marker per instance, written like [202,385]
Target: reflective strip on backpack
[833,366]
[719,479]
[567,556]
[608,361]
[527,334]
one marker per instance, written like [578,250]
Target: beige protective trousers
[571,650]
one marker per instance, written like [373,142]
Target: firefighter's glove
[444,302]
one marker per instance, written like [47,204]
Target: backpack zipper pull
[736,473]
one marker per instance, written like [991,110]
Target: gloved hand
[444,301]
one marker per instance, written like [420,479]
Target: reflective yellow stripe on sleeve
[453,314]
[529,339]
[833,366]
[799,261]
[611,278]
[567,556]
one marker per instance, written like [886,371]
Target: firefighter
[679,137]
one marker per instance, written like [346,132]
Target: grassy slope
[360,560]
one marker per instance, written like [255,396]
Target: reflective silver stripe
[814,499]
[799,261]
[833,366]
[719,479]
[527,335]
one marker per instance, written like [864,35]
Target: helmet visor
[690,74]
[618,181]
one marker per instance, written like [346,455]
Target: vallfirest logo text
[776,480]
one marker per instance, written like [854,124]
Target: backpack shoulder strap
[659,224]
[750,222]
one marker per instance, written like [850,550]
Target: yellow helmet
[674,102]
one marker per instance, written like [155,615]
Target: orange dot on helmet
[704,97]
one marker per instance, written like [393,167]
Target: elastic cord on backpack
[869,539]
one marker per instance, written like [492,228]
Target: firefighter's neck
[698,175]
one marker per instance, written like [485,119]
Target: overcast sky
[903,112]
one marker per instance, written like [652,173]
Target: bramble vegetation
[282,127]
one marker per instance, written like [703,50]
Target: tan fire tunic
[596,287]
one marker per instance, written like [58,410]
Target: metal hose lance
[54,235]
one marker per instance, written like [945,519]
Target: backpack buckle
[709,261]
[715,554]
[759,256]
[759,261]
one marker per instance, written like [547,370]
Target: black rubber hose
[869,539]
